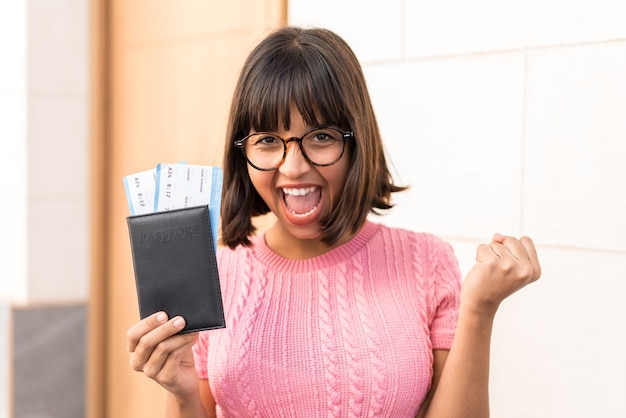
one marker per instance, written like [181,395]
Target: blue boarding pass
[177,186]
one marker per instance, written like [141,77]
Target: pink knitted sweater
[347,334]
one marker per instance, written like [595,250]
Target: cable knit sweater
[347,334]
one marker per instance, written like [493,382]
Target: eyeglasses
[266,151]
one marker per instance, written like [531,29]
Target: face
[299,194]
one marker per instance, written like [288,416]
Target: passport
[175,266]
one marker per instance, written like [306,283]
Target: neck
[294,248]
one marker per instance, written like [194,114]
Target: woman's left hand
[502,267]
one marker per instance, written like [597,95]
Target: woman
[327,313]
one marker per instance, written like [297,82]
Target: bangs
[292,77]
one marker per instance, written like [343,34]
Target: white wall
[511,117]
[14,180]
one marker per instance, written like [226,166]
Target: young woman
[328,314]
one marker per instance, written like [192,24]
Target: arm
[167,358]
[202,406]
[439,360]
[502,267]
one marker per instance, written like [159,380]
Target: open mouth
[302,201]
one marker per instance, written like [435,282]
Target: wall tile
[575,182]
[58,250]
[14,250]
[58,147]
[12,46]
[373,29]
[465,252]
[452,27]
[13,186]
[560,341]
[453,129]
[58,46]
[13,131]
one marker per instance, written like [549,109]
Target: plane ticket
[175,186]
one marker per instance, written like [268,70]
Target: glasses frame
[240,143]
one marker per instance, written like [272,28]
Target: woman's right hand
[163,356]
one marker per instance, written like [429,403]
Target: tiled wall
[45,206]
[58,144]
[511,117]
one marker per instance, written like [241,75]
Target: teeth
[298,191]
[303,214]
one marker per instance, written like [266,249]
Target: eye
[324,136]
[264,140]
[321,137]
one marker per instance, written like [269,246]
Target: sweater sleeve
[446,291]
[200,353]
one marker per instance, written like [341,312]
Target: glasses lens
[264,150]
[323,146]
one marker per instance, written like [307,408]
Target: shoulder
[233,263]
[230,252]
[421,240]
[426,249]
[228,255]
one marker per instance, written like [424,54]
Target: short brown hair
[315,70]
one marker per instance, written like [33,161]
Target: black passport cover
[175,266]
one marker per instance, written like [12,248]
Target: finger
[525,255]
[497,249]
[167,352]
[515,248]
[498,238]
[162,332]
[485,252]
[141,328]
[529,246]
[147,344]
[177,355]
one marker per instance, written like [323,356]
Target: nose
[295,163]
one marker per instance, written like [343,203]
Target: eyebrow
[308,129]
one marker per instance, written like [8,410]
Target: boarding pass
[175,186]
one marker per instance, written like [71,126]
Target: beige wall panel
[173,70]
[162,115]
[96,353]
[172,20]
[175,101]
